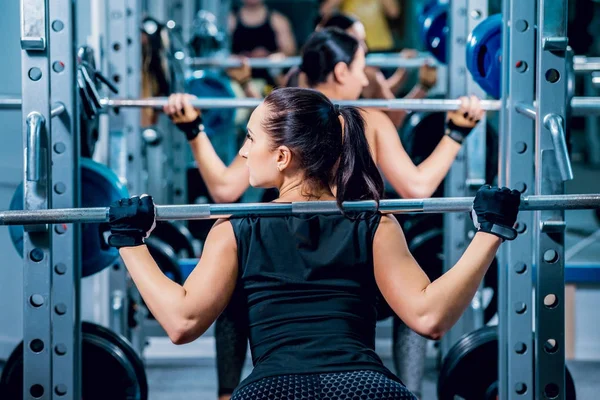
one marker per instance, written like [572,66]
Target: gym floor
[194,375]
[197,379]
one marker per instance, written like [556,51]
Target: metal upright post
[51,330]
[467,173]
[516,170]
[553,168]
[132,85]
[183,13]
[124,62]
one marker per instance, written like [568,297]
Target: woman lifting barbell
[310,282]
[334,63]
[379,86]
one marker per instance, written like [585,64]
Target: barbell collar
[215,211]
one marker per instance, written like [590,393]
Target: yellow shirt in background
[372,15]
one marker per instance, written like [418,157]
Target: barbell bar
[373,60]
[215,211]
[581,64]
[586,64]
[580,105]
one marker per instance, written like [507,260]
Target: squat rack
[51,273]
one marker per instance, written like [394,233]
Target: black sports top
[247,38]
[311,294]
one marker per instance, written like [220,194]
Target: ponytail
[331,150]
[357,176]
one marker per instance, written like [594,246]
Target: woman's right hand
[185,117]
[179,108]
[427,76]
[460,123]
[241,74]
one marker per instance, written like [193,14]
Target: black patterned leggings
[330,386]
[231,338]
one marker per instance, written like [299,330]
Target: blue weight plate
[100,186]
[434,30]
[209,84]
[484,54]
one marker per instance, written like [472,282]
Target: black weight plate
[167,261]
[471,366]
[490,280]
[422,131]
[426,244]
[427,249]
[111,369]
[417,224]
[177,236]
[470,369]
[88,127]
[91,330]
[165,257]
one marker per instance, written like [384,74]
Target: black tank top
[247,38]
[311,294]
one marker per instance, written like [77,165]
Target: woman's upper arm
[231,22]
[211,283]
[399,278]
[392,158]
[285,37]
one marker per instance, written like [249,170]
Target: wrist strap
[191,129]
[121,240]
[425,87]
[503,232]
[245,81]
[457,133]
[456,136]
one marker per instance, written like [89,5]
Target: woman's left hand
[131,221]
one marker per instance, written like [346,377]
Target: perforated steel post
[63,151]
[516,170]
[552,167]
[124,62]
[50,252]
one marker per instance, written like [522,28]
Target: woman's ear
[283,158]
[341,73]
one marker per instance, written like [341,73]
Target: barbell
[579,105]
[372,60]
[216,211]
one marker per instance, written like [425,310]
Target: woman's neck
[254,8]
[330,92]
[301,190]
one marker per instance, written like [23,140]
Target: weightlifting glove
[495,211]
[131,221]
[457,133]
[191,129]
